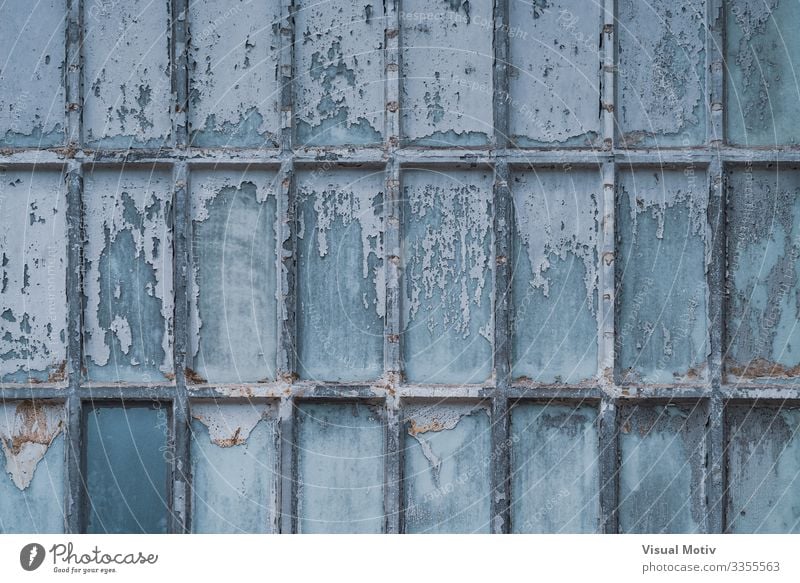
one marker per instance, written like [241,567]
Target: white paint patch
[230,425]
[122,330]
[26,431]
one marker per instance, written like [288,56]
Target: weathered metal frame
[390,391]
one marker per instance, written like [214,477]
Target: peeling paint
[126,64]
[235,89]
[31,73]
[662,73]
[662,325]
[341,289]
[554,75]
[26,432]
[764,261]
[128,281]
[230,425]
[447,276]
[233,300]
[339,92]
[447,59]
[33,247]
[761,54]
[555,274]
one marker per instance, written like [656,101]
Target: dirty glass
[555,274]
[33,271]
[555,483]
[662,322]
[662,455]
[127,465]
[234,304]
[446,478]
[32,476]
[447,276]
[340,459]
[234,454]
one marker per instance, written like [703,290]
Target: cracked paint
[447,60]
[555,274]
[446,480]
[761,54]
[763,455]
[340,459]
[233,300]
[447,281]
[662,483]
[31,73]
[33,247]
[128,300]
[26,431]
[554,72]
[555,481]
[234,467]
[662,320]
[126,68]
[235,89]
[340,275]
[339,92]
[763,259]
[661,73]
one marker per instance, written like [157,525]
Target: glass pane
[32,478]
[339,66]
[447,482]
[127,470]
[340,457]
[33,271]
[555,274]
[763,470]
[234,306]
[32,38]
[555,483]
[662,63]
[447,60]
[128,301]
[340,280]
[234,456]
[447,276]
[554,75]
[662,323]
[233,65]
[662,482]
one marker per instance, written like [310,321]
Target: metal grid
[391,391]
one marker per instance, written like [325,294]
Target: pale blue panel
[662,332]
[763,470]
[127,470]
[447,276]
[661,74]
[235,307]
[764,272]
[555,482]
[340,468]
[555,275]
[446,482]
[761,55]
[661,481]
[339,72]
[340,285]
[234,481]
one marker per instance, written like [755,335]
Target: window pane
[446,471]
[234,306]
[340,457]
[555,482]
[32,477]
[127,469]
[234,454]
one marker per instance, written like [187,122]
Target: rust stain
[761,367]
[193,377]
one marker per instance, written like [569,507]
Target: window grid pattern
[609,396]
